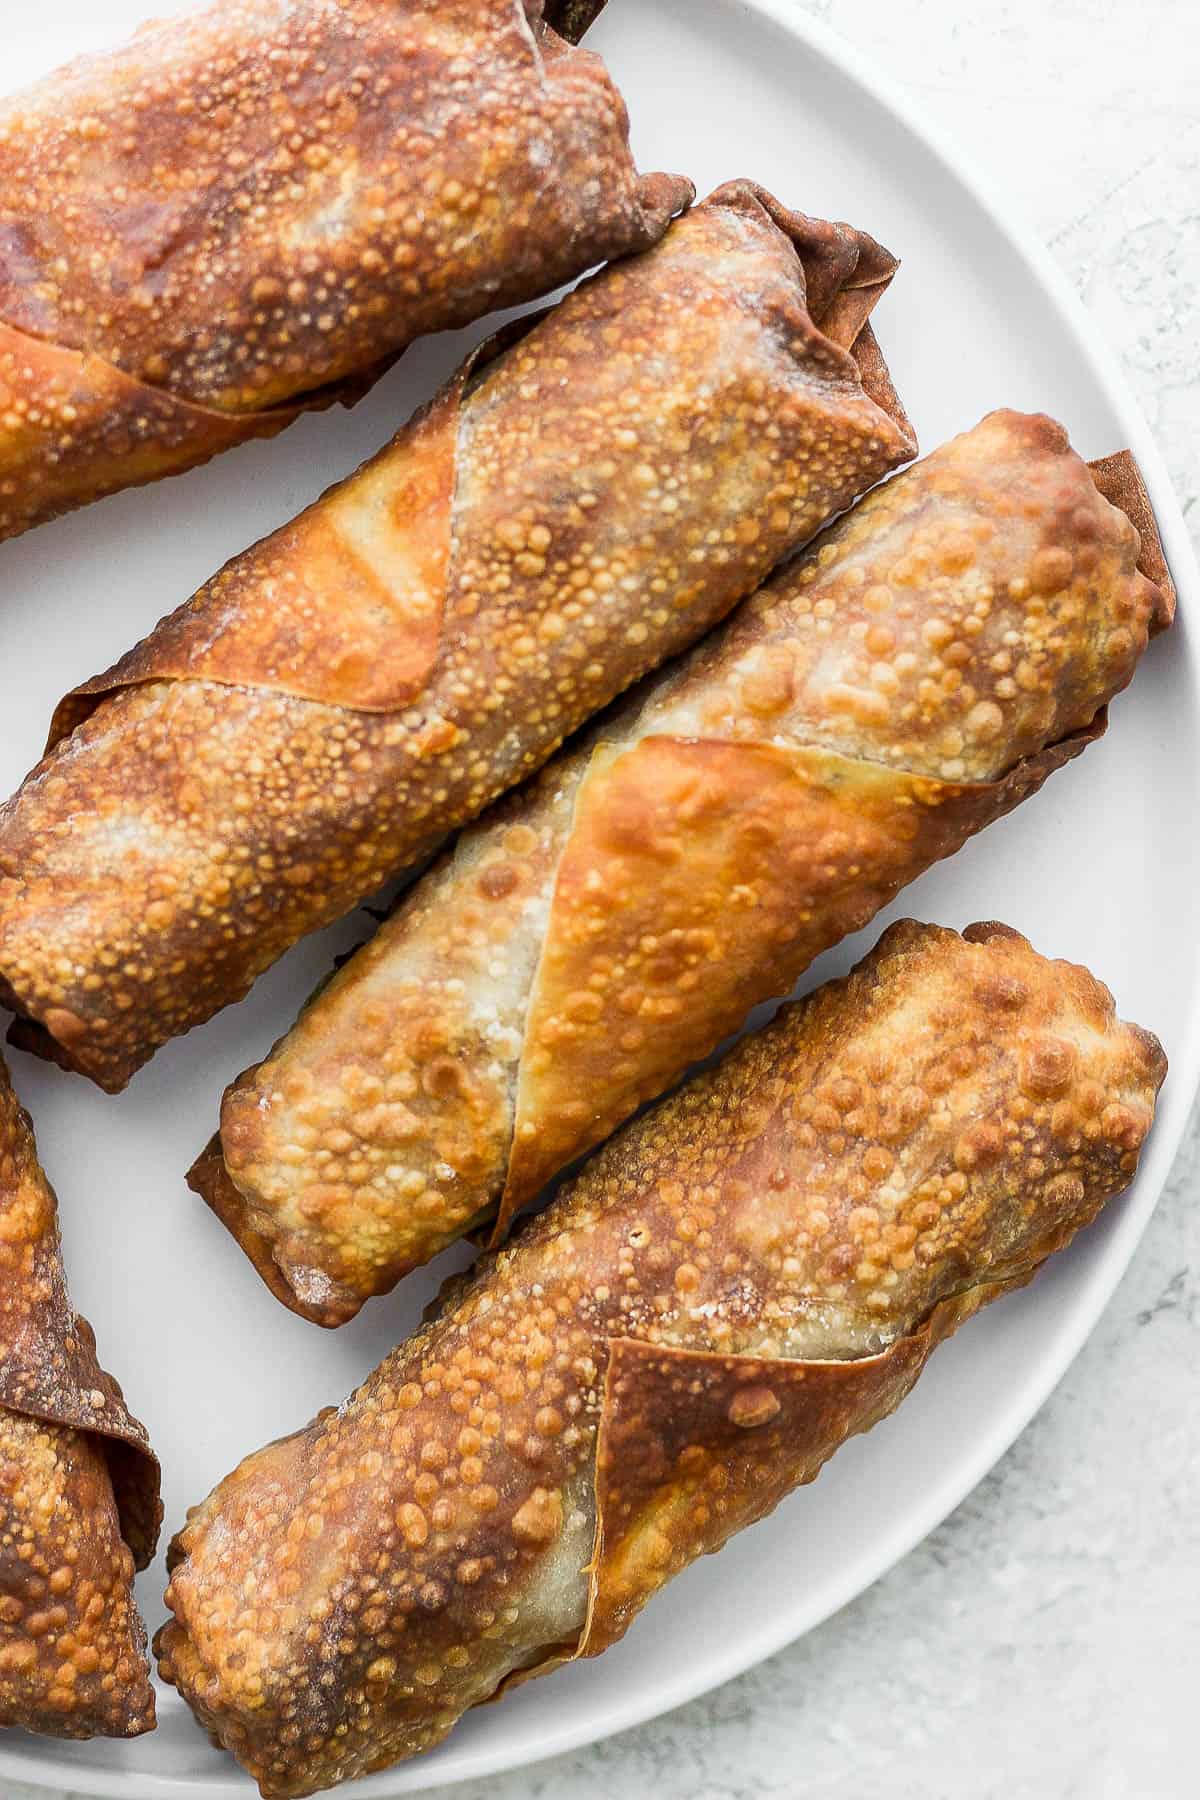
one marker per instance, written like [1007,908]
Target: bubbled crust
[256,207]
[74,428]
[954,623]
[735,865]
[740,1280]
[343,605]
[906,681]
[78,1485]
[620,478]
[917,674]
[411,1066]
[72,1646]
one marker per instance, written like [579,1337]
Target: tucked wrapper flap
[877,379]
[701,877]
[55,1376]
[695,1447]
[1120,480]
[49,1368]
[79,1485]
[343,605]
[846,271]
[468,1118]
[846,274]
[326,1302]
[74,428]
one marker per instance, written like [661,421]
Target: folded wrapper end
[846,273]
[559,28]
[846,270]
[877,381]
[132,1462]
[572,18]
[80,1490]
[328,1306]
[33,1038]
[1120,480]
[990,931]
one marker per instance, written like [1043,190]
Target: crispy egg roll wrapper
[79,1505]
[560,519]
[916,674]
[746,1276]
[251,211]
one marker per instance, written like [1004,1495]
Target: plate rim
[987,191]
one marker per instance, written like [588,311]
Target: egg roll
[342,696]
[914,675]
[79,1485]
[250,211]
[745,1277]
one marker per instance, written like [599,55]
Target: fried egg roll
[913,676]
[745,1277]
[250,211]
[79,1506]
[341,697]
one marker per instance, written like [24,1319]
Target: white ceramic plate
[1100,867]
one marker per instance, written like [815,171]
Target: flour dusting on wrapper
[577,504]
[745,1277]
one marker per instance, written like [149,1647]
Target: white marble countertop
[1044,1643]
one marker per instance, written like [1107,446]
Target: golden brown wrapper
[694,1447]
[74,429]
[1120,480]
[79,1505]
[250,211]
[917,673]
[681,830]
[742,1279]
[584,499]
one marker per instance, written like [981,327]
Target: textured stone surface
[1042,1644]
